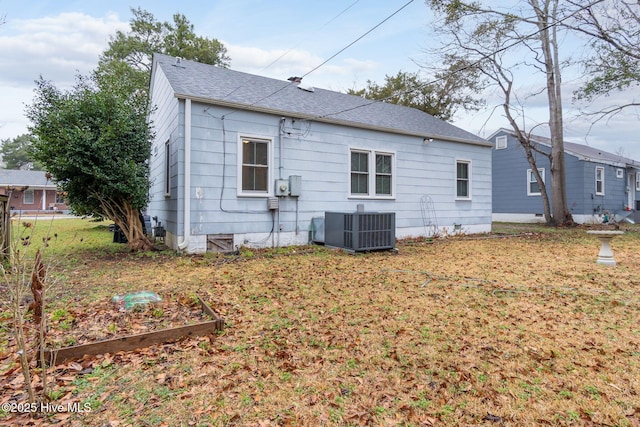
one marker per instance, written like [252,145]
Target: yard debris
[131,300]
[492,418]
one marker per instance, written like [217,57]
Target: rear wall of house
[320,154]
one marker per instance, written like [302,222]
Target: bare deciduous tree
[493,38]
[613,26]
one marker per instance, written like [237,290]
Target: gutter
[187,175]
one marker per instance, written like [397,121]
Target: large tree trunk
[548,42]
[128,219]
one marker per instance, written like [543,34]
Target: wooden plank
[222,243]
[133,342]
[208,311]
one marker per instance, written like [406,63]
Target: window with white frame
[254,165]
[463,179]
[60,198]
[600,180]
[533,188]
[619,173]
[167,168]
[637,180]
[371,173]
[28,197]
[501,142]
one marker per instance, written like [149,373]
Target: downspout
[280,165]
[280,132]
[187,175]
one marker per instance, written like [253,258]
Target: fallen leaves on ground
[491,330]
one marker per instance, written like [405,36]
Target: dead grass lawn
[481,330]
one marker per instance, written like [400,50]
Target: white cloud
[56,47]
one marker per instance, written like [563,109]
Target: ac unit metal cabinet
[360,231]
[317,229]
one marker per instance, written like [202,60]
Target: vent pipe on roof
[295,80]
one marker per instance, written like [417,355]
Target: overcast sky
[60,38]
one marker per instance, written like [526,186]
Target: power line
[291,49]
[323,26]
[360,38]
[331,57]
[466,67]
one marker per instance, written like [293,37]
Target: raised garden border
[132,342]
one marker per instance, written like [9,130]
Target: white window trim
[270,167]
[619,173]
[599,193]
[167,168]
[372,174]
[33,197]
[530,175]
[455,181]
[501,142]
[637,180]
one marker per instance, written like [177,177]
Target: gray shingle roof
[21,178]
[239,90]
[585,152]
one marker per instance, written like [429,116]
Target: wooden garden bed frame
[132,342]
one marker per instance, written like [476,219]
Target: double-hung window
[254,176]
[463,179]
[371,174]
[360,173]
[637,180]
[28,197]
[600,180]
[533,188]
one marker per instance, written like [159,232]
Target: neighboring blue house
[240,159]
[598,183]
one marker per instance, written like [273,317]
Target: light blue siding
[319,153]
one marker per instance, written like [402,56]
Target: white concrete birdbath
[605,256]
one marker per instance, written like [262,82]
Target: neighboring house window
[371,173]
[28,198]
[167,168]
[533,188]
[501,142]
[463,179]
[254,178]
[600,180]
[59,198]
[619,173]
[637,181]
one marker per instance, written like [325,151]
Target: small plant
[286,376]
[592,391]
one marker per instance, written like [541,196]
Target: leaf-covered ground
[477,330]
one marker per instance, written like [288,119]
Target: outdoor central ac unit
[360,231]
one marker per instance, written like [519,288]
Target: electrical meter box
[295,185]
[282,187]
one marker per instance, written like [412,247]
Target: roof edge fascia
[258,109]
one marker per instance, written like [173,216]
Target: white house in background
[240,159]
